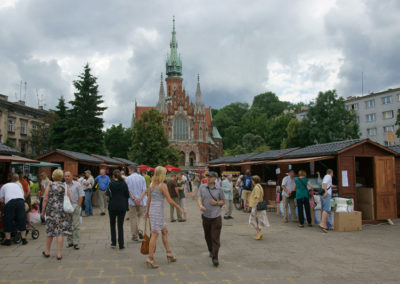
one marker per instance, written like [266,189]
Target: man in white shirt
[137,202]
[326,199]
[77,195]
[287,197]
[12,195]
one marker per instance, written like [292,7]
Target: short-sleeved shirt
[289,183]
[181,192]
[256,194]
[301,188]
[328,181]
[76,192]
[103,181]
[227,187]
[212,211]
[171,184]
[11,191]
[136,185]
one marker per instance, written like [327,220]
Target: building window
[34,126]
[348,107]
[387,100]
[181,128]
[354,106]
[398,97]
[370,103]
[388,114]
[389,128]
[11,125]
[23,127]
[371,117]
[358,119]
[371,131]
[23,146]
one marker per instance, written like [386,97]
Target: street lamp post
[141,144]
[47,137]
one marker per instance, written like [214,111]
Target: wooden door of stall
[385,188]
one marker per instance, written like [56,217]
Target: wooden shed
[109,164]
[74,162]
[364,171]
[396,148]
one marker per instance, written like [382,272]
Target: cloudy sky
[239,48]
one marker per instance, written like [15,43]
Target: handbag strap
[211,194]
[303,183]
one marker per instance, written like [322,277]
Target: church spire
[199,106]
[174,63]
[161,104]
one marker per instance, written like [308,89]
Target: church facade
[188,126]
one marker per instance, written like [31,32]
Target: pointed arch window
[181,128]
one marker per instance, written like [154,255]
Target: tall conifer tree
[58,130]
[86,122]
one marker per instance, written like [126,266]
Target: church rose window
[181,129]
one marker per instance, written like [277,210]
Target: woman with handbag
[258,216]
[303,197]
[157,191]
[118,195]
[57,219]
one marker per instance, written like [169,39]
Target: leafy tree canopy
[150,145]
[117,141]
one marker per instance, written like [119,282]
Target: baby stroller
[16,236]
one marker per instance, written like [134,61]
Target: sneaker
[230,217]
[102,214]
[24,242]
[140,235]
[173,220]
[113,246]
[6,243]
[226,217]
[121,248]
[215,262]
[301,226]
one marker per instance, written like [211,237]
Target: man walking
[246,191]
[210,200]
[227,187]
[103,181]
[288,196]
[173,192]
[137,202]
[326,199]
[77,195]
[87,188]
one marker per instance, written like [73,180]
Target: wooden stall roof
[5,158]
[79,157]
[124,161]
[299,160]
[6,150]
[109,161]
[395,148]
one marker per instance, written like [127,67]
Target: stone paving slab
[286,254]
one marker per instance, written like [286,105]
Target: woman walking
[57,221]
[155,211]
[258,216]
[303,197]
[196,185]
[118,195]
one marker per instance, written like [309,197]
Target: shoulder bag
[144,249]
[68,208]
[261,206]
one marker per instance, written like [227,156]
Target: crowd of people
[142,197]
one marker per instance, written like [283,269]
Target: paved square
[286,254]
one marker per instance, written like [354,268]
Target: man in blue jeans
[87,185]
[103,181]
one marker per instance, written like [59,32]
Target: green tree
[251,142]
[150,145]
[117,141]
[328,120]
[275,128]
[235,151]
[40,139]
[86,116]
[228,120]
[58,129]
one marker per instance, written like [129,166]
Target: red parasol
[171,168]
[145,168]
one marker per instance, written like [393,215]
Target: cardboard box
[348,222]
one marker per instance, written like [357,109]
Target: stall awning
[4,158]
[300,160]
[40,165]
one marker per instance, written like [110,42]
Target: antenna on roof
[362,83]
[25,92]
[20,89]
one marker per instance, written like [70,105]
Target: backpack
[247,183]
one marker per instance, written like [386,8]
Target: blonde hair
[302,173]
[256,179]
[329,171]
[160,174]
[44,176]
[57,175]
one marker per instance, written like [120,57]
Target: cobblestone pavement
[286,254]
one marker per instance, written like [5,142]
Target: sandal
[170,257]
[150,263]
[325,230]
[45,255]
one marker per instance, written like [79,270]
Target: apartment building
[377,114]
[17,122]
